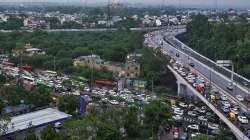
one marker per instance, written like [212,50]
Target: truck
[212,98]
[231,116]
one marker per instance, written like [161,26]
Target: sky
[206,3]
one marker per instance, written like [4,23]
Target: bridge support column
[182,89]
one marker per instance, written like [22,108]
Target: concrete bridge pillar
[182,88]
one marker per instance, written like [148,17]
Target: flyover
[171,46]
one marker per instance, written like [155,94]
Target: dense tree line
[64,47]
[13,23]
[15,95]
[221,41]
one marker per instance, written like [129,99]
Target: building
[90,60]
[132,66]
[33,51]
[28,50]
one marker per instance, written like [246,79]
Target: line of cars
[194,119]
[219,100]
[125,95]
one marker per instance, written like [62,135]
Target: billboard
[83,105]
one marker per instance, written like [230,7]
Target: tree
[156,113]
[49,133]
[13,23]
[2,79]
[69,104]
[132,124]
[106,131]
[71,25]
[40,97]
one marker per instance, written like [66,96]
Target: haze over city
[184,3]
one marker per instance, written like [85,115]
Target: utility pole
[216,5]
[108,19]
[54,63]
[92,71]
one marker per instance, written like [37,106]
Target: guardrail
[240,135]
[226,72]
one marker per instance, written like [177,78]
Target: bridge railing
[224,71]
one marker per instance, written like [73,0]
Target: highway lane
[232,125]
[217,79]
[212,74]
[199,67]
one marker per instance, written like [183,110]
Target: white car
[223,97]
[243,119]
[183,104]
[213,126]
[174,107]
[183,73]
[240,98]
[230,86]
[202,111]
[191,105]
[195,134]
[176,135]
[226,104]
[178,112]
[192,113]
[235,111]
[193,127]
[202,118]
[177,117]
[114,102]
[57,125]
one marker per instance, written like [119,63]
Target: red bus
[105,83]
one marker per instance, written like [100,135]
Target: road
[209,72]
[100,29]
[219,76]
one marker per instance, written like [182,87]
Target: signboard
[139,84]
[83,105]
[224,63]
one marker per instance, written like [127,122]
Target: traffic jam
[222,102]
[104,91]
[226,106]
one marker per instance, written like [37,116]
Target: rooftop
[34,120]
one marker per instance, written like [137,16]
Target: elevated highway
[219,76]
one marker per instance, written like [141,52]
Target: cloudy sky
[210,3]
